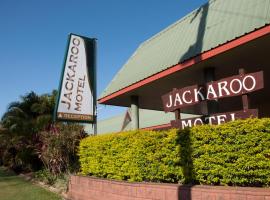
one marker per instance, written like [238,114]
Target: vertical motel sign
[238,85]
[77,90]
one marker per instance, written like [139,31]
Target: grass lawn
[13,187]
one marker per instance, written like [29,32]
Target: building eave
[190,62]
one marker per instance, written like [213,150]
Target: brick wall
[86,188]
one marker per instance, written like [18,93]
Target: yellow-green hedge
[236,153]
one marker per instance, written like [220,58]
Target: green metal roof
[147,118]
[207,27]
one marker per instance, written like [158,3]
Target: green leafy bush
[59,181]
[45,176]
[236,153]
[133,156]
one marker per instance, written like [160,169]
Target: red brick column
[88,188]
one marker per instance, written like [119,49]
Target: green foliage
[59,181]
[133,156]
[20,129]
[235,153]
[45,176]
[30,141]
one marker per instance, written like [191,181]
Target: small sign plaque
[215,119]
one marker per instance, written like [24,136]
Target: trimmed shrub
[133,156]
[236,153]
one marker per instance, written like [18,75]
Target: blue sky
[33,36]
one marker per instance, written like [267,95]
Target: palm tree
[44,108]
[23,120]
[30,115]
[19,117]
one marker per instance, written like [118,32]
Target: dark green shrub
[236,153]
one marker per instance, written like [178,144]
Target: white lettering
[240,86]
[253,81]
[198,120]
[221,118]
[210,90]
[198,93]
[184,97]
[169,105]
[222,86]
[233,116]
[186,123]
[177,99]
[211,118]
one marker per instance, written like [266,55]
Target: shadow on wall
[184,191]
[184,141]
[196,48]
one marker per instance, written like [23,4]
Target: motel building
[211,66]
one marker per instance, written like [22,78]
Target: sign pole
[209,76]
[245,98]
[177,111]
[95,83]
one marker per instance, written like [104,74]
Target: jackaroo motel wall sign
[77,93]
[241,84]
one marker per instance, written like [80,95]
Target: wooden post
[177,112]
[245,98]
[209,76]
